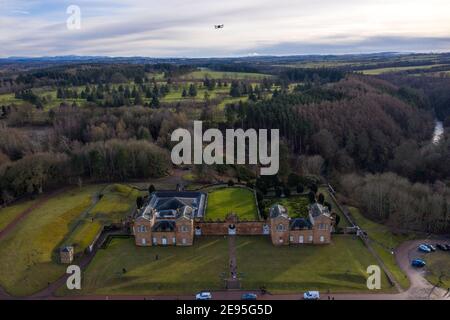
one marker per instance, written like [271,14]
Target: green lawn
[384,241]
[27,261]
[340,266]
[178,270]
[438,267]
[297,206]
[8,214]
[117,201]
[225,200]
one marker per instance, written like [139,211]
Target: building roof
[300,224]
[317,209]
[277,210]
[164,226]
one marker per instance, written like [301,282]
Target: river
[438,132]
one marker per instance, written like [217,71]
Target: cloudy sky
[185,28]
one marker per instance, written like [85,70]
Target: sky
[185,28]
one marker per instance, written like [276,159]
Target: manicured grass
[438,267]
[117,201]
[383,242]
[178,270]
[27,261]
[8,214]
[223,201]
[340,266]
[297,206]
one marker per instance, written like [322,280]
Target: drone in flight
[218,26]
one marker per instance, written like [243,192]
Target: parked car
[441,246]
[418,263]
[430,246]
[249,296]
[203,296]
[448,247]
[311,295]
[424,248]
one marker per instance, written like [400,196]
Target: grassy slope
[8,214]
[27,262]
[117,201]
[178,270]
[438,267]
[383,242]
[343,222]
[340,266]
[238,200]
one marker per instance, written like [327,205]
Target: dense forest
[371,136]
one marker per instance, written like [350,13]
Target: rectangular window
[310,238]
[291,239]
[322,238]
[183,241]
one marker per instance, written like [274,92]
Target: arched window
[280,227]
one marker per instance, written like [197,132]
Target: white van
[311,295]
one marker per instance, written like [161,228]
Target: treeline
[80,75]
[101,161]
[352,124]
[391,199]
[433,92]
[317,75]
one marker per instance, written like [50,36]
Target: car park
[311,295]
[418,263]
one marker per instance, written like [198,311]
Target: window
[174,240]
[183,241]
[322,238]
[280,227]
[142,228]
[323,226]
[143,241]
[291,238]
[155,241]
[184,229]
[310,238]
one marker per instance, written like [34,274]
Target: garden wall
[222,228]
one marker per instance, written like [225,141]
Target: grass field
[340,266]
[201,74]
[178,270]
[116,203]
[438,267]
[27,261]
[225,200]
[297,206]
[8,214]
[397,69]
[383,242]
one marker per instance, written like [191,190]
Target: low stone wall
[221,228]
